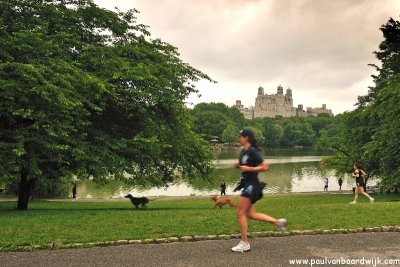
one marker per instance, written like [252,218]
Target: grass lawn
[70,222]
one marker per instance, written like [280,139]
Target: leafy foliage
[211,119]
[86,92]
[298,134]
[369,134]
[230,134]
[382,152]
[216,120]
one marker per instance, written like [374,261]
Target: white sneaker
[282,225]
[241,247]
[353,202]
[372,200]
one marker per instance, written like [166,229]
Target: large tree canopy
[84,91]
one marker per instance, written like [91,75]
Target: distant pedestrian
[223,188]
[326,185]
[359,175]
[340,181]
[251,163]
[74,189]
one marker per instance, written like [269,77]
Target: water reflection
[281,178]
[287,173]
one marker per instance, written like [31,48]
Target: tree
[86,92]
[370,133]
[382,152]
[273,133]
[211,119]
[297,133]
[389,52]
[230,134]
[320,122]
[210,124]
[340,138]
[236,117]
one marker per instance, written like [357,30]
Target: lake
[290,171]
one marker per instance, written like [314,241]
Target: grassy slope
[68,222]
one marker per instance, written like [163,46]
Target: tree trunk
[24,190]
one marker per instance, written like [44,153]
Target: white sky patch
[318,48]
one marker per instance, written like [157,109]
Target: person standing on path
[359,175]
[223,188]
[340,181]
[326,185]
[74,187]
[251,163]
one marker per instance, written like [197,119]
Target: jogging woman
[251,163]
[359,175]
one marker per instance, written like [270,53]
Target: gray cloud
[320,48]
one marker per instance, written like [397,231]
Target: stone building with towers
[278,104]
[273,105]
[313,111]
[247,112]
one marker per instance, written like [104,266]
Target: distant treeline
[219,123]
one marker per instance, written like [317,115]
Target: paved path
[273,251]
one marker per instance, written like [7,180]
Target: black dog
[138,201]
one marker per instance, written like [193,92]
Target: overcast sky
[318,48]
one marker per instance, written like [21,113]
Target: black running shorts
[254,192]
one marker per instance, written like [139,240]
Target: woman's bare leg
[260,216]
[362,192]
[241,211]
[356,194]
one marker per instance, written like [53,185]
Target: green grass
[70,222]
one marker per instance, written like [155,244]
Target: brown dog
[221,201]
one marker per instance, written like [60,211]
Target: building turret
[260,91]
[289,93]
[239,105]
[280,90]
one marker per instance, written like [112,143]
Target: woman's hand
[236,165]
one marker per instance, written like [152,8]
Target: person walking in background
[359,175]
[223,188]
[340,181]
[74,187]
[326,185]
[251,163]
